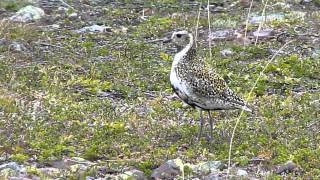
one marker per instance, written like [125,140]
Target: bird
[197,84]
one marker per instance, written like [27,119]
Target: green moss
[19,157]
[147,167]
[108,97]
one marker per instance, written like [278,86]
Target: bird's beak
[166,40]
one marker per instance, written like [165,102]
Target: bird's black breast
[188,100]
[183,97]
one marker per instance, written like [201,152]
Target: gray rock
[133,175]
[93,29]
[3,42]
[78,168]
[17,47]
[263,33]
[168,170]
[28,14]
[242,172]
[226,52]
[73,16]
[11,165]
[288,167]
[11,169]
[50,171]
[214,176]
[2,10]
[208,167]
[282,5]
[221,35]
[271,17]
[25,177]
[79,160]
[315,54]
[305,1]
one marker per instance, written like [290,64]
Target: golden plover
[198,85]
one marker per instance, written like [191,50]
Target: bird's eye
[179,35]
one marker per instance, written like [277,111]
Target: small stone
[242,172]
[49,171]
[221,35]
[73,16]
[315,54]
[133,175]
[79,168]
[226,52]
[2,10]
[176,163]
[17,47]
[93,29]
[260,19]
[3,42]
[282,5]
[214,176]
[92,178]
[305,1]
[79,160]
[168,170]
[263,33]
[288,167]
[208,167]
[28,14]
[11,165]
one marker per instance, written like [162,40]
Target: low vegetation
[107,96]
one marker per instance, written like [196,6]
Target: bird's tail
[246,108]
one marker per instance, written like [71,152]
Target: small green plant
[19,157]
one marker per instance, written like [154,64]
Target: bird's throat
[188,52]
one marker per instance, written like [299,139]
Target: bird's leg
[211,124]
[201,124]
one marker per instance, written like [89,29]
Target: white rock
[271,17]
[242,172]
[263,33]
[28,14]
[93,29]
[282,5]
[133,175]
[208,167]
[12,165]
[176,163]
[168,170]
[17,47]
[221,35]
[73,15]
[226,52]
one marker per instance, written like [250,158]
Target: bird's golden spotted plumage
[196,83]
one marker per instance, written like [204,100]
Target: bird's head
[181,38]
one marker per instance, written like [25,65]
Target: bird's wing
[208,83]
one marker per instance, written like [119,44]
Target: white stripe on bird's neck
[179,56]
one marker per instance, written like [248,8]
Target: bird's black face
[180,38]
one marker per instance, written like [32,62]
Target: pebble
[28,14]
